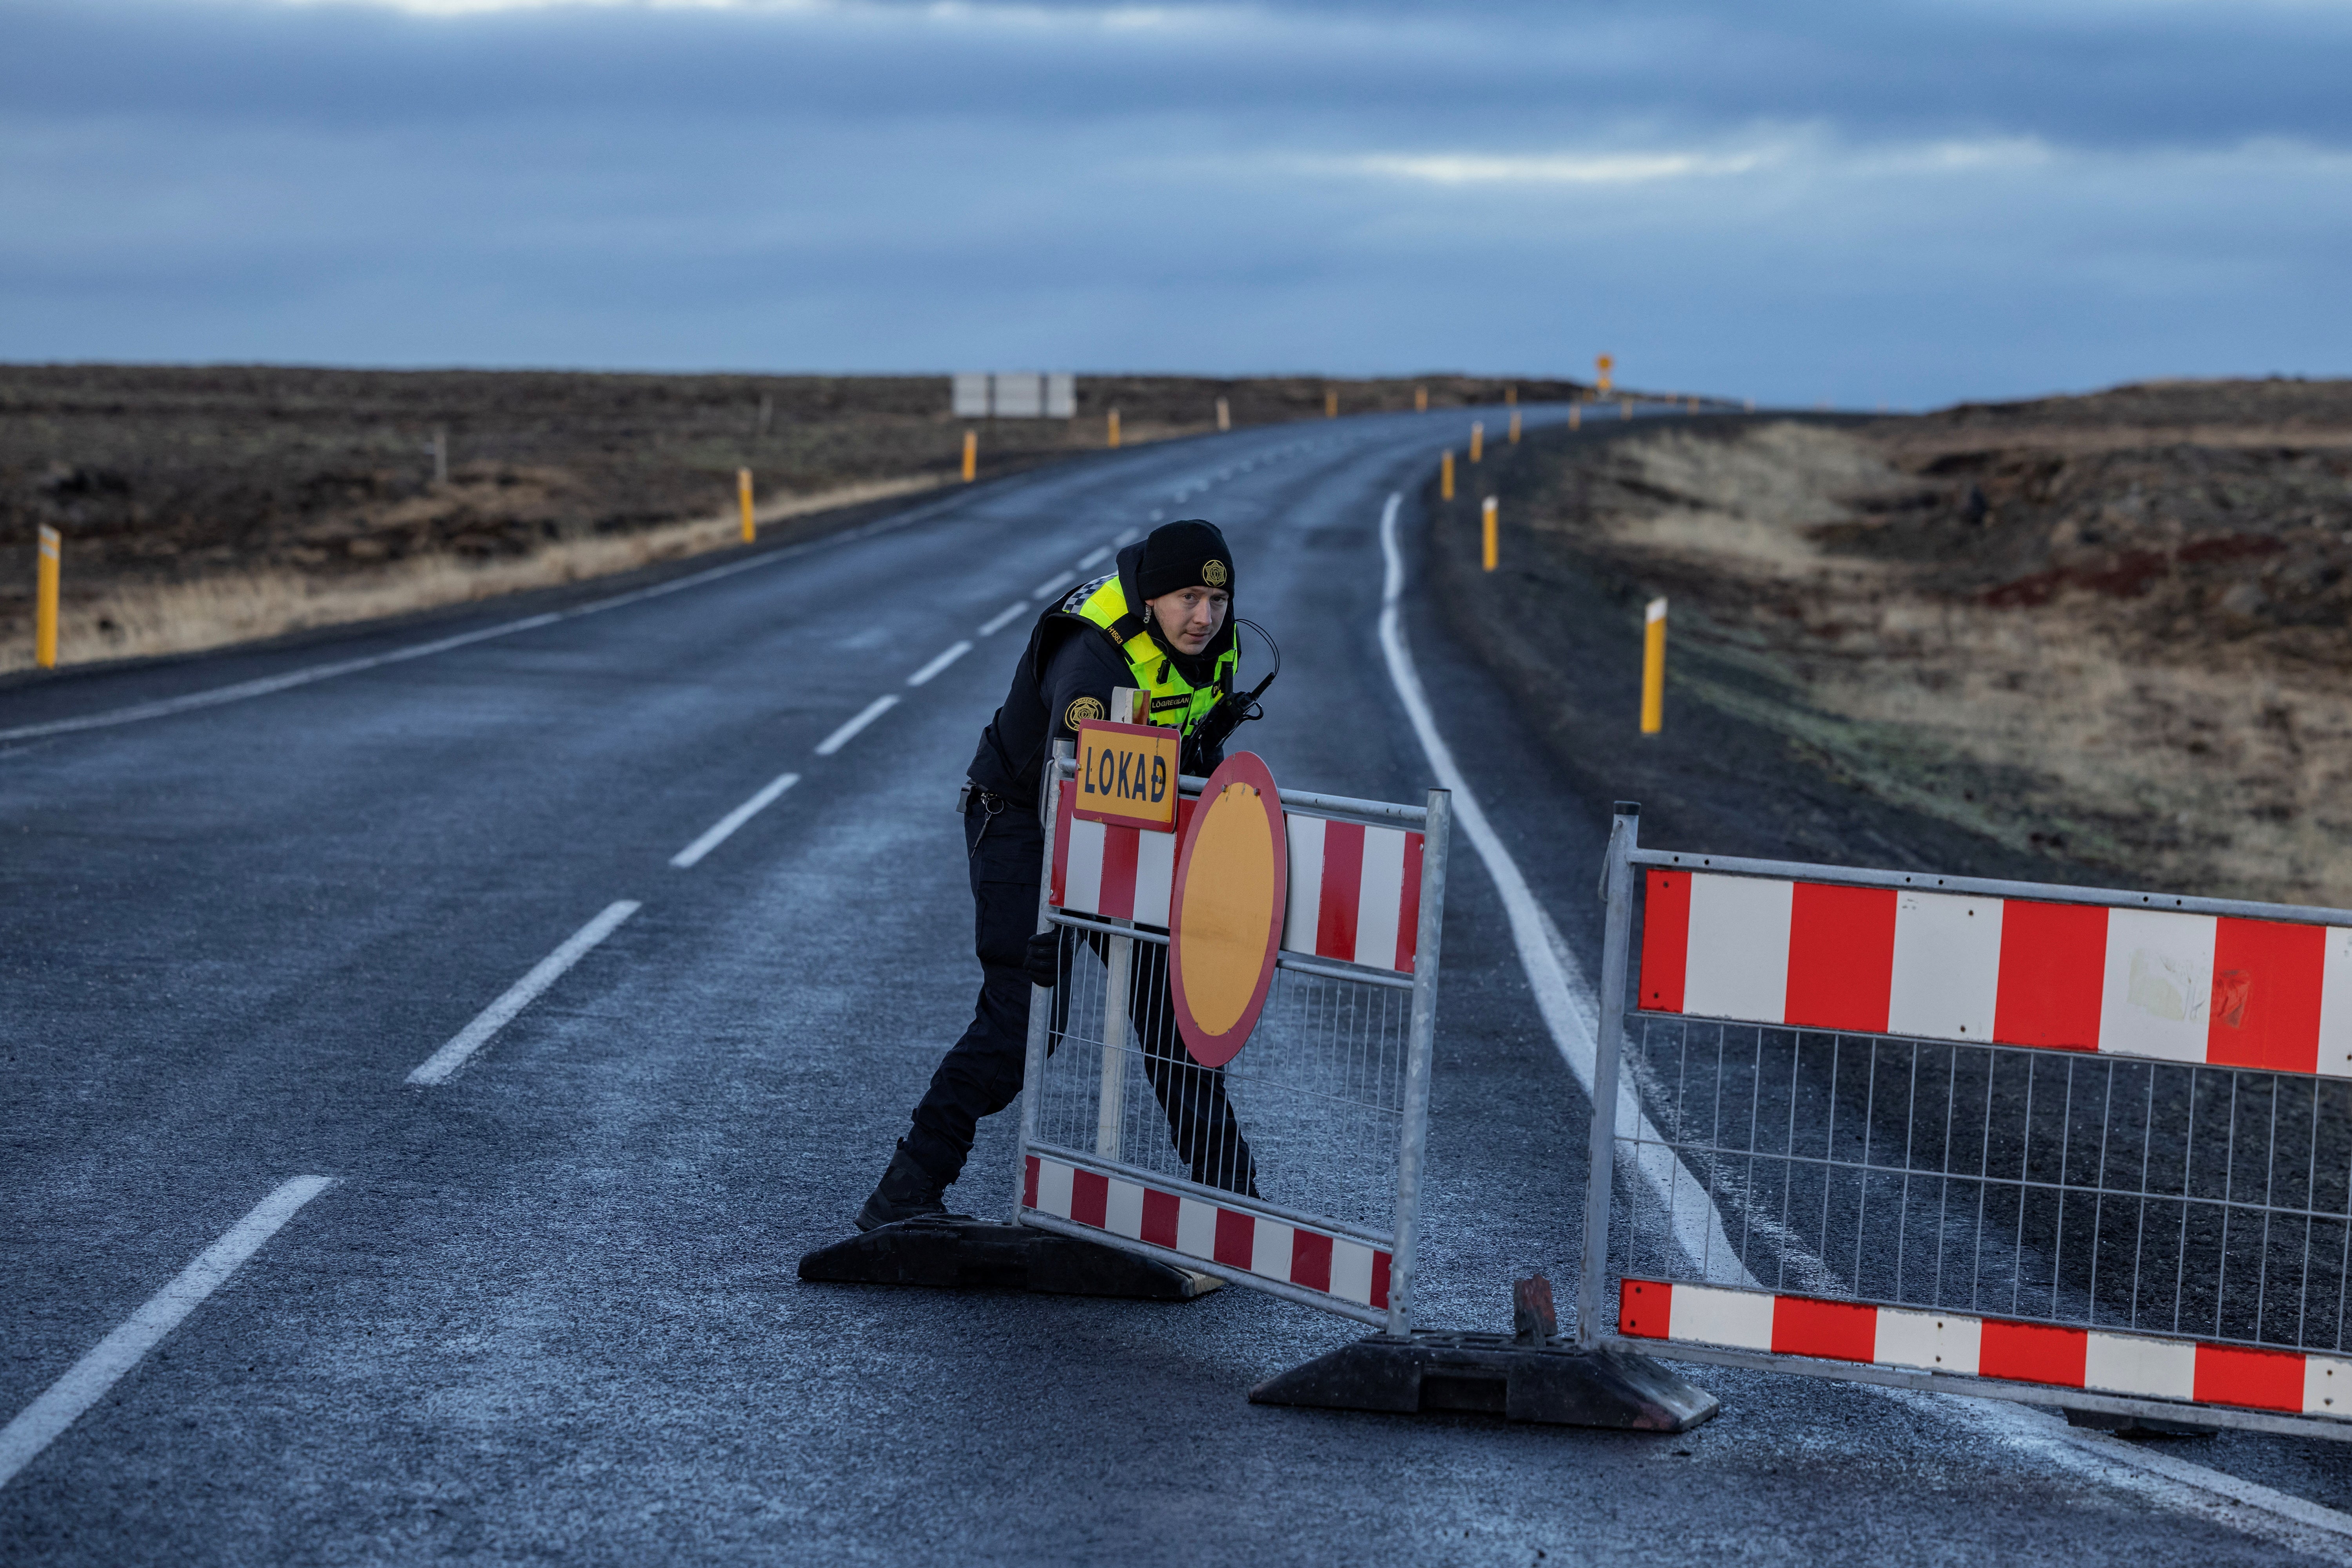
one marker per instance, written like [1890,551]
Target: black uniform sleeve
[1077,683]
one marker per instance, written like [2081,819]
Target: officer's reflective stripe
[1354,891]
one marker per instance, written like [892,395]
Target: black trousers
[981,1074]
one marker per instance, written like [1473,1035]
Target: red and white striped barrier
[2228,991]
[1315,1260]
[2096,1362]
[1355,890]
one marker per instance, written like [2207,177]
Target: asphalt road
[546,1308]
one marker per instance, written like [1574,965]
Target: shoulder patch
[1080,710]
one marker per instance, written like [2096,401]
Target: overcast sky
[1898,201]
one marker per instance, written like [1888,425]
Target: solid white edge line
[87,1380]
[1561,992]
[996,623]
[1093,556]
[1567,1003]
[939,663]
[848,732]
[734,819]
[304,677]
[437,1067]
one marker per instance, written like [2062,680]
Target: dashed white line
[1053,584]
[1129,536]
[1102,554]
[939,663]
[848,732]
[86,1380]
[996,623]
[437,1067]
[734,819]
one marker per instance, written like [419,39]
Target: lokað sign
[1232,884]
[1126,774]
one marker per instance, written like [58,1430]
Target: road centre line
[939,663]
[437,1067]
[997,622]
[721,830]
[1094,555]
[1566,1003]
[87,1380]
[1053,584]
[1129,535]
[848,732]
[244,689]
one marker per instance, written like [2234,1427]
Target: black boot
[906,1191]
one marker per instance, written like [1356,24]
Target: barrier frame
[1432,821]
[1601,1328]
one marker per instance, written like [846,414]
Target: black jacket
[1069,659]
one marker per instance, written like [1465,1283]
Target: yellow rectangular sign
[1126,774]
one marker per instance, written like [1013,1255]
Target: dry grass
[2169,743]
[143,619]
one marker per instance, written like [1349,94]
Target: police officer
[1159,622]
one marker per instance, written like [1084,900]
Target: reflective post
[1331,403]
[970,456]
[1488,526]
[743,496]
[1654,668]
[1114,427]
[1515,426]
[1420,400]
[1224,414]
[1477,439]
[1445,476]
[45,614]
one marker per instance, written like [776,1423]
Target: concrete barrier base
[1494,1374]
[973,1253]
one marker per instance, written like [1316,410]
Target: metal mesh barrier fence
[1992,1138]
[2143,1196]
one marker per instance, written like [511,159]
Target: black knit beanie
[1185,555]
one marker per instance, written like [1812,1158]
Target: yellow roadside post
[1486,527]
[1603,364]
[1224,415]
[1654,668]
[743,495]
[1114,427]
[1515,426]
[1510,397]
[1477,439]
[45,614]
[1420,400]
[970,456]
[1445,476]
[1575,416]
[1331,403]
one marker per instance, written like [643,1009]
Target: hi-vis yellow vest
[1175,701]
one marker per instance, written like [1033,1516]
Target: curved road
[544,1307]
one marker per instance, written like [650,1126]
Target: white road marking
[734,819]
[1571,1012]
[86,1380]
[848,732]
[437,1067]
[1129,536]
[244,689]
[939,663]
[1157,514]
[997,622]
[1561,992]
[1093,556]
[1053,584]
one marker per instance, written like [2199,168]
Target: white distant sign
[1015,395]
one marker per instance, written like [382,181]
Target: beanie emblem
[1215,573]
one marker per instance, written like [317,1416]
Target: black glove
[1044,959]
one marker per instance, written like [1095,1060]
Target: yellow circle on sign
[1228,908]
